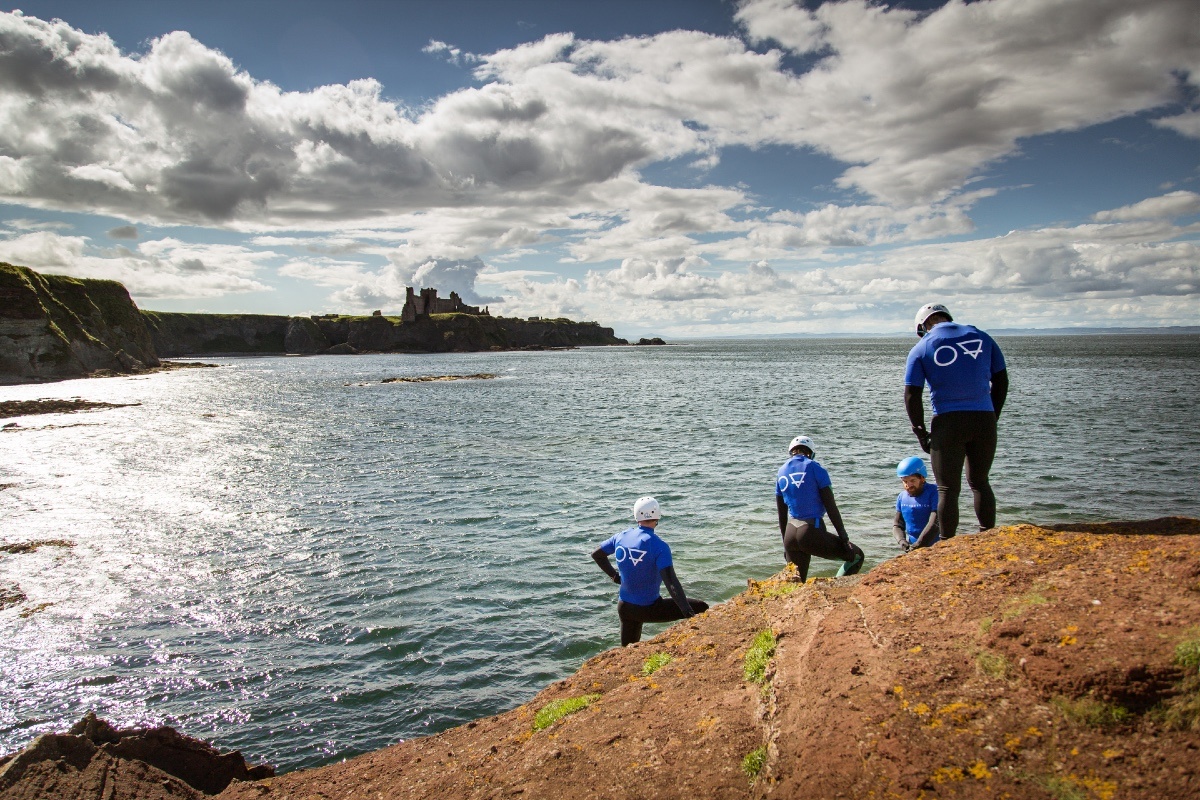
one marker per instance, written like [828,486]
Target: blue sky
[687,168]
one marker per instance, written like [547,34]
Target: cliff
[54,327]
[1024,662]
[207,334]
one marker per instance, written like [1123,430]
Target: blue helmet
[913,465]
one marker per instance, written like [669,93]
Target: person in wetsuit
[968,383]
[803,495]
[644,563]
[916,523]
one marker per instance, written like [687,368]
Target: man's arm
[929,534]
[831,509]
[999,390]
[676,591]
[899,532]
[601,559]
[782,508]
[916,414]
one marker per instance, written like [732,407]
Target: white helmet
[646,508]
[803,441]
[928,310]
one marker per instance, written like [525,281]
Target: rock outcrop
[212,334]
[1023,662]
[54,327]
[96,760]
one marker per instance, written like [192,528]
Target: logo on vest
[632,553]
[946,355]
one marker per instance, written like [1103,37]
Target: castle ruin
[426,303]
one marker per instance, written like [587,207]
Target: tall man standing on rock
[968,382]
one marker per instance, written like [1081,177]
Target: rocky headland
[1024,662]
[54,327]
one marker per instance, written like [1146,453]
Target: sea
[290,557]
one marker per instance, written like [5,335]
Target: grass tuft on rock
[754,761]
[1187,654]
[994,665]
[759,656]
[1092,712]
[656,662]
[554,711]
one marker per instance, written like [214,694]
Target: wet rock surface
[25,408]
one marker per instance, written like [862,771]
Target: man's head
[802,446]
[647,512]
[911,472]
[929,315]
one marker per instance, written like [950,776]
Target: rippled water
[288,557]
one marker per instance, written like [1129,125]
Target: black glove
[922,436]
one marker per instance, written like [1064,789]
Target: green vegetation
[554,711]
[779,589]
[985,625]
[994,665]
[759,655]
[1092,712]
[1063,788]
[1187,654]
[656,662]
[1182,712]
[754,761]
[1018,605]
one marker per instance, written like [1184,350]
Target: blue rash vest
[799,482]
[916,510]
[958,362]
[641,555]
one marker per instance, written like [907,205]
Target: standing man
[968,382]
[803,495]
[644,561]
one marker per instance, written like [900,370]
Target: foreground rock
[100,761]
[1024,662]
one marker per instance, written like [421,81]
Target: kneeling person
[803,495]
[644,561]
[916,523]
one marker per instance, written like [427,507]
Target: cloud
[1169,206]
[920,102]
[162,268]
[123,232]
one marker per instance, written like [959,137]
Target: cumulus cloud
[162,268]
[549,153]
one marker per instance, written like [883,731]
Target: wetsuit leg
[631,631]
[947,454]
[662,610]
[792,552]
[981,451]
[803,539]
[956,438]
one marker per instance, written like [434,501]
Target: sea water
[289,557]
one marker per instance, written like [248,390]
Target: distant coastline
[1182,330]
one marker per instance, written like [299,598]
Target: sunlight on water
[286,556]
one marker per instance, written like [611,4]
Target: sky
[681,168]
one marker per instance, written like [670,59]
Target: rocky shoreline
[1028,662]
[53,327]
